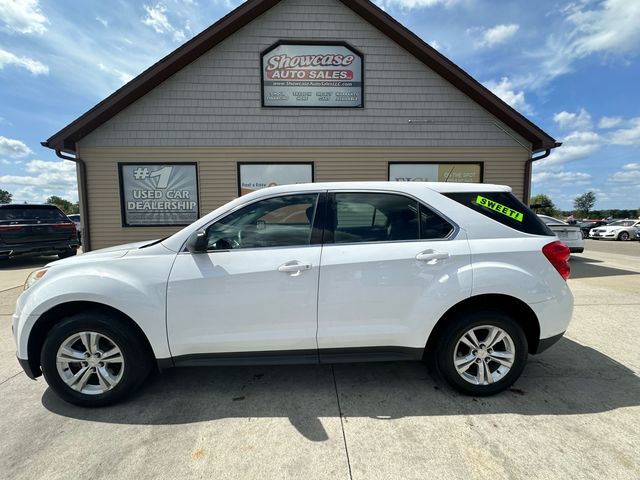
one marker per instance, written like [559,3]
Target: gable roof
[65,139]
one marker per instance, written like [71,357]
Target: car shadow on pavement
[585,267]
[568,379]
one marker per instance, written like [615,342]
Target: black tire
[70,252]
[623,236]
[137,358]
[444,352]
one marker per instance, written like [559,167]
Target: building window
[158,194]
[256,176]
[464,172]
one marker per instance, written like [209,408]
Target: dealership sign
[158,194]
[311,75]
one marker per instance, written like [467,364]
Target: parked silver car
[570,235]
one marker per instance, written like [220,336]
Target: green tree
[65,205]
[5,197]
[584,203]
[543,205]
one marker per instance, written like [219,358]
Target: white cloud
[574,121]
[4,161]
[610,122]
[409,4]
[611,28]
[630,174]
[562,178]
[105,23]
[498,34]
[33,66]
[508,93]
[22,16]
[575,146]
[627,136]
[156,18]
[435,44]
[48,178]
[13,148]
[124,77]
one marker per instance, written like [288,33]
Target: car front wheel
[624,236]
[92,359]
[482,353]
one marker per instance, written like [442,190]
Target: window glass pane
[433,225]
[274,222]
[31,213]
[375,217]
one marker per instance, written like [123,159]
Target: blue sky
[571,67]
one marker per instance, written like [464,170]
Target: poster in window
[158,194]
[262,175]
[436,172]
[312,75]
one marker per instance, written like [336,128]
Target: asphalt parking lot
[575,413]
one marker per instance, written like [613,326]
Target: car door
[254,292]
[391,266]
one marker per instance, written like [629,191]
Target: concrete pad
[275,422]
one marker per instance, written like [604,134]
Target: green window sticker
[498,207]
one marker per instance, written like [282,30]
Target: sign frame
[462,162]
[313,43]
[123,210]
[240,164]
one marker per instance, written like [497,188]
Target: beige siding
[217,169]
[215,101]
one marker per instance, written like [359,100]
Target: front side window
[384,217]
[273,222]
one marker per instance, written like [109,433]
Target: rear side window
[505,208]
[383,217]
[24,212]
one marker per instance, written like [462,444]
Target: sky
[571,67]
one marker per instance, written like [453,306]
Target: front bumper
[545,343]
[26,366]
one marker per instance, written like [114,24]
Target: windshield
[551,220]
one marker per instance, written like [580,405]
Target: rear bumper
[38,248]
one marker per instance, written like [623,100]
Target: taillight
[9,228]
[64,225]
[558,254]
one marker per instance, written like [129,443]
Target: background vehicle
[36,230]
[637,234]
[618,230]
[571,235]
[75,218]
[587,225]
[462,275]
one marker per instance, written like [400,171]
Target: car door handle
[429,255]
[294,267]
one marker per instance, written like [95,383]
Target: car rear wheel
[482,353]
[92,359]
[624,236]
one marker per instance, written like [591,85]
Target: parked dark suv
[36,230]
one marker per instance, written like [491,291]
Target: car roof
[408,187]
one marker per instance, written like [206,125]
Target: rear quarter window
[504,208]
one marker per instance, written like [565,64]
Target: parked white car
[618,230]
[570,235]
[463,275]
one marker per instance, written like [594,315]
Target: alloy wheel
[90,363]
[484,355]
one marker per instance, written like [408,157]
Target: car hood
[116,251]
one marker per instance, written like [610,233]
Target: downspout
[527,172]
[84,198]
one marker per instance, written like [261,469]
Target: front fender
[135,284]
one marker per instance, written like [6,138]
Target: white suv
[462,275]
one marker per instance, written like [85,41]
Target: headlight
[34,277]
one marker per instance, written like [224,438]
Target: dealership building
[284,92]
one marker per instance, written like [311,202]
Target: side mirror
[197,242]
